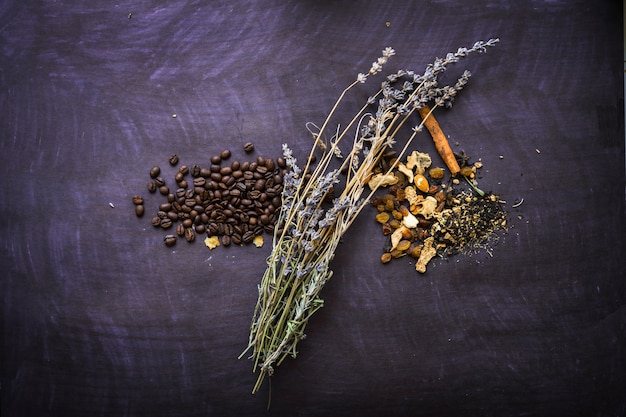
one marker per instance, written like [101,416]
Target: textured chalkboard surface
[99,318]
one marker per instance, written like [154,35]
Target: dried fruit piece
[403,245]
[426,254]
[380,180]
[418,161]
[408,172]
[436,173]
[382,218]
[385,257]
[421,183]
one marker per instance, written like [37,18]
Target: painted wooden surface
[99,318]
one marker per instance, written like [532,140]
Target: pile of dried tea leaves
[424,217]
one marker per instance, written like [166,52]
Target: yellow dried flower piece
[212,242]
[258,241]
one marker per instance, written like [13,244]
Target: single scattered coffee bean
[164,190]
[216,159]
[155,171]
[248,147]
[190,235]
[137,199]
[152,187]
[173,160]
[139,210]
[225,154]
[169,240]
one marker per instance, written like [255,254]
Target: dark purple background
[99,318]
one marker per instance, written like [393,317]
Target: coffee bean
[155,171]
[259,184]
[216,159]
[180,230]
[226,171]
[190,235]
[195,171]
[139,210]
[137,199]
[152,187]
[199,182]
[260,160]
[184,169]
[179,177]
[280,161]
[173,160]
[172,215]
[229,181]
[225,154]
[236,239]
[216,176]
[166,223]
[161,214]
[200,228]
[225,240]
[264,219]
[171,198]
[183,184]
[269,164]
[187,222]
[205,172]
[248,147]
[160,182]
[165,207]
[248,237]
[164,190]
[261,169]
[169,240]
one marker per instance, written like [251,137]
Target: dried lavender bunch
[308,230]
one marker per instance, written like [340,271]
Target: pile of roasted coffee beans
[232,200]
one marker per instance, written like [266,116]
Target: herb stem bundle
[309,228]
